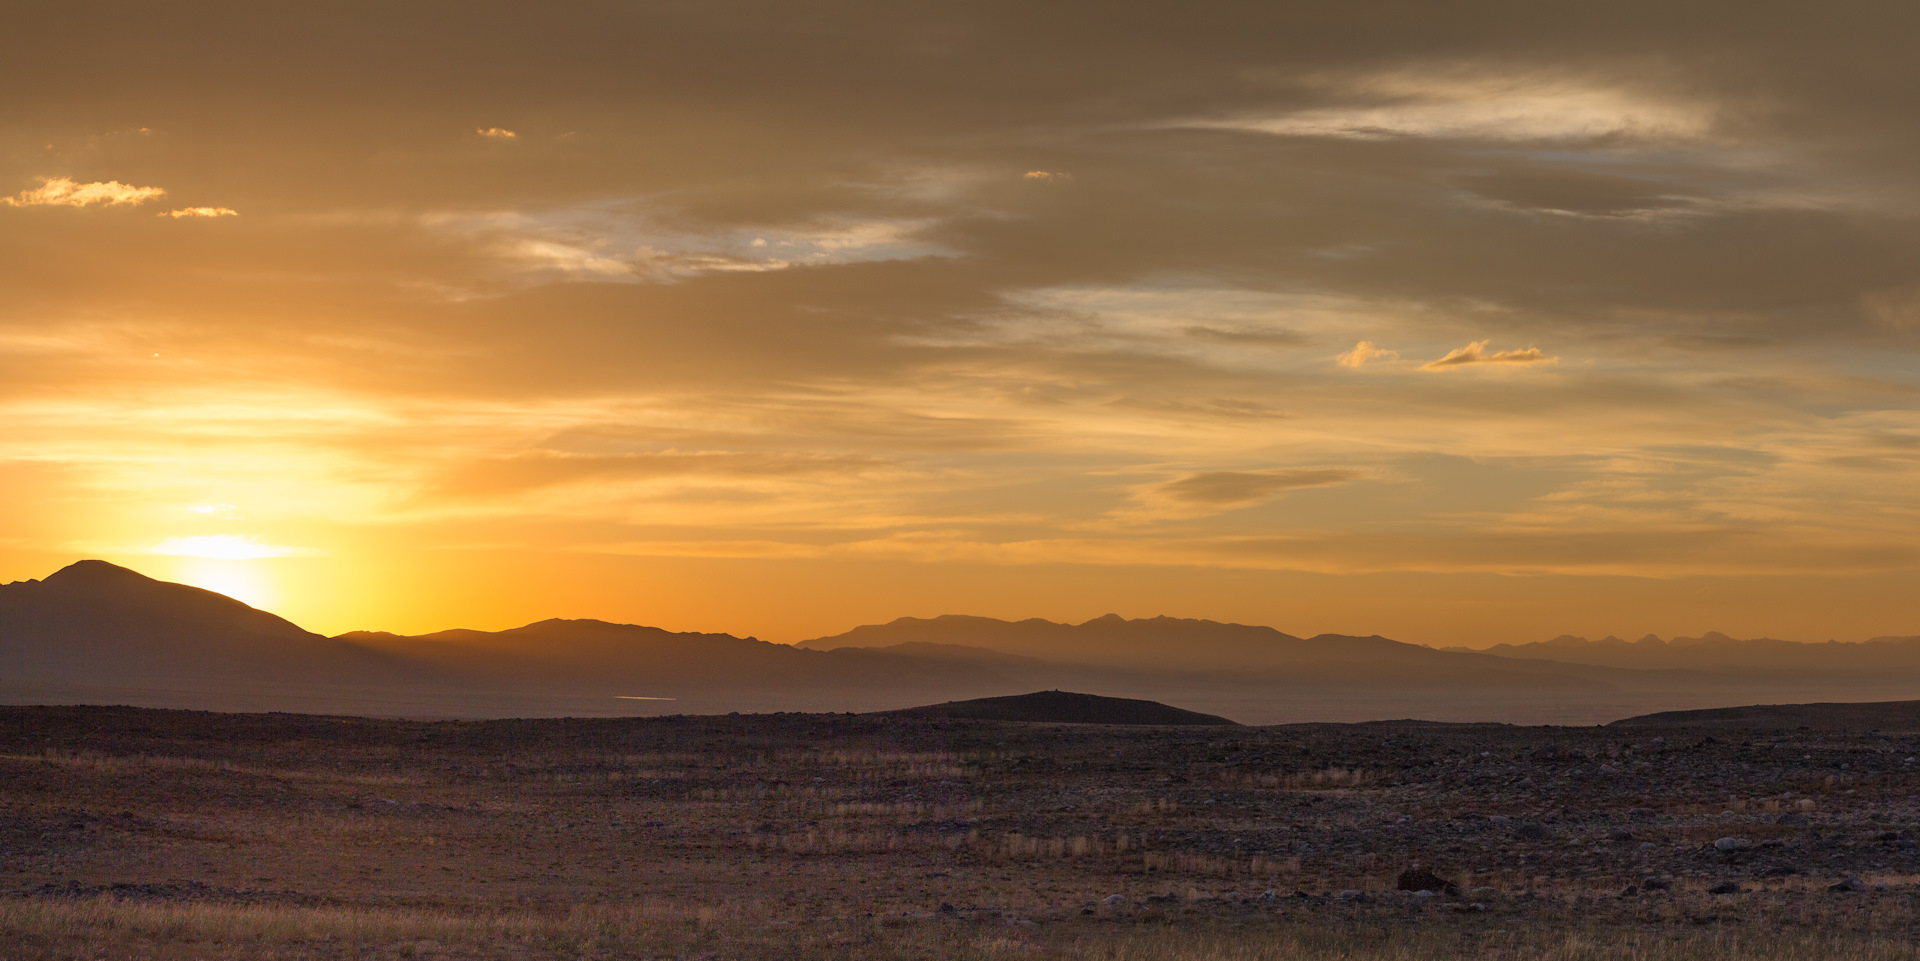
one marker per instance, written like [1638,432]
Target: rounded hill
[1064,707]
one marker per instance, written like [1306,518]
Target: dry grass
[69,930]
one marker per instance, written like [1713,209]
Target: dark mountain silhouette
[1233,655]
[1169,643]
[1063,707]
[1716,652]
[92,622]
[597,657]
[96,633]
[1861,716]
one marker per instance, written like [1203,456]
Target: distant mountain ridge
[1173,643]
[1717,652]
[97,633]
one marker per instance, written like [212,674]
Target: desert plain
[135,833]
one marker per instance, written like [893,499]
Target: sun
[244,580]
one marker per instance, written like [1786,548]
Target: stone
[1726,887]
[1642,814]
[1416,880]
[1732,845]
[1530,831]
[1117,900]
[1848,885]
[1793,818]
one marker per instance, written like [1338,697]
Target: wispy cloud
[67,192]
[1364,351]
[1482,106]
[619,242]
[496,133]
[1048,176]
[1226,487]
[1476,353]
[201,212]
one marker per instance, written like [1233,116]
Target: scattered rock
[1530,831]
[1732,845]
[1114,900]
[1656,884]
[1727,887]
[1415,880]
[1850,884]
[1642,814]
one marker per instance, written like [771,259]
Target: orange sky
[1459,325]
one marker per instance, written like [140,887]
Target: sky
[1461,323]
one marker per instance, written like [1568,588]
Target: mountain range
[97,633]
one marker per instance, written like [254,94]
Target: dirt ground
[119,827]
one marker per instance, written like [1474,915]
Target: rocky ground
[792,819]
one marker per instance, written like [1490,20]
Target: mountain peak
[93,572]
[1106,619]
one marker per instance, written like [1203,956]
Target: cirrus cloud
[1225,487]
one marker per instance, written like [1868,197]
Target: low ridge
[1065,707]
[1858,715]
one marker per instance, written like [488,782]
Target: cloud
[1476,353]
[1487,106]
[201,212]
[1219,488]
[497,133]
[1048,176]
[632,243]
[66,192]
[1364,351]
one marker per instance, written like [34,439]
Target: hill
[1714,651]
[1063,707]
[1865,715]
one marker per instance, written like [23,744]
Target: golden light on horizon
[1562,332]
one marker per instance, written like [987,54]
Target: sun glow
[246,581]
[233,547]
